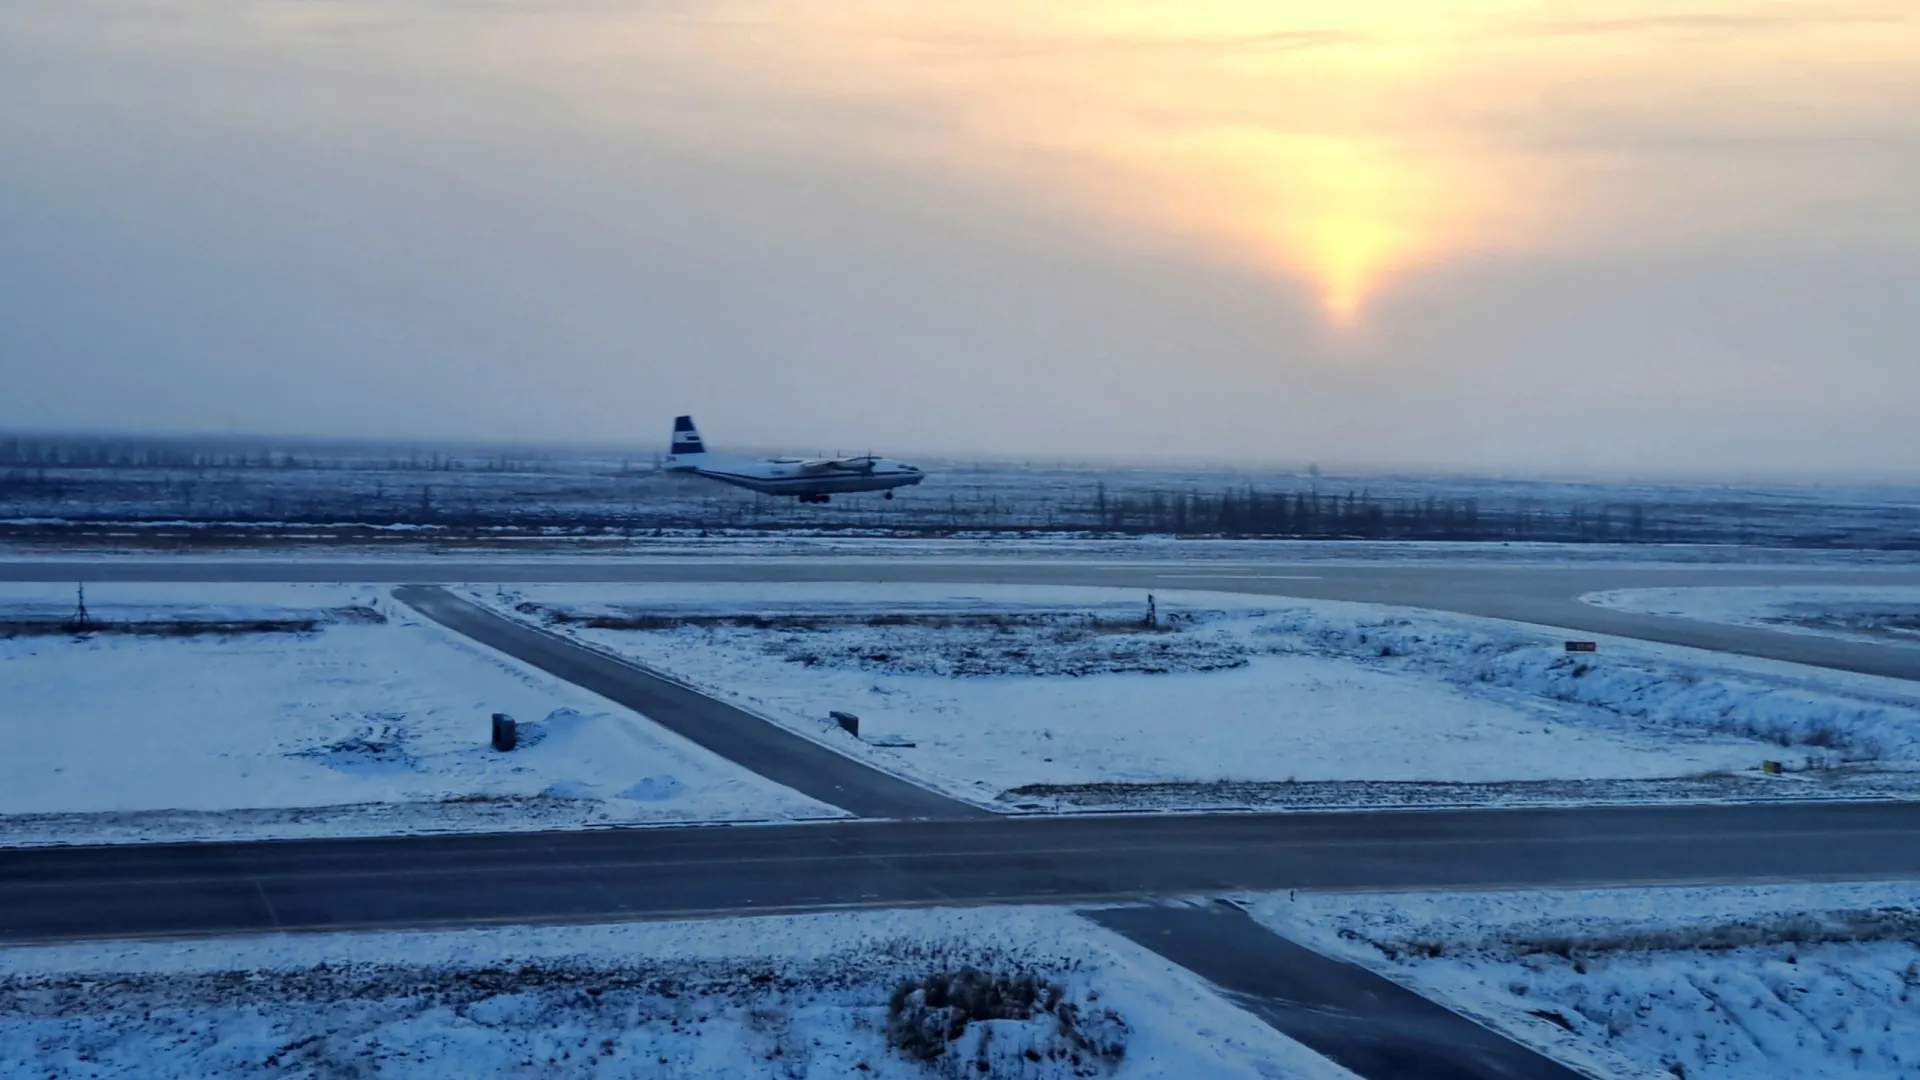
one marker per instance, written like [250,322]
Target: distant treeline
[50,484]
[70,452]
[1251,512]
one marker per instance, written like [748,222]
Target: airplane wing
[827,465]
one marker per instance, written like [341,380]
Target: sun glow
[1339,149]
[1348,254]
[1271,132]
[1341,214]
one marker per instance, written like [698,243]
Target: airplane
[811,480]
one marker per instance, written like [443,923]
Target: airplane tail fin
[686,449]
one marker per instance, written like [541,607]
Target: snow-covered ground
[438,544]
[76,489]
[375,721]
[1752,983]
[1881,614]
[1051,697]
[797,996]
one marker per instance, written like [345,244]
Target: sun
[1351,212]
[1348,256]
[1340,214]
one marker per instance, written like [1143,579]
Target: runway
[52,894]
[1542,594]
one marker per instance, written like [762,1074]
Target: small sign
[1583,646]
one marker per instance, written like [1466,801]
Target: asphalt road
[748,741]
[427,881]
[1547,595]
[1363,1021]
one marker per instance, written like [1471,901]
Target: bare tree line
[44,482]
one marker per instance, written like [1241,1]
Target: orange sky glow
[1342,147]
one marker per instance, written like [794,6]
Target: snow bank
[365,726]
[1727,983]
[29,602]
[799,996]
[1830,719]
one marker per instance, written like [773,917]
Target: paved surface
[1368,1024]
[1547,595]
[748,741]
[136,891]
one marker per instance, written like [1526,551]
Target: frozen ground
[1753,983]
[1033,993]
[1879,614]
[1057,698]
[68,489]
[290,542]
[371,722]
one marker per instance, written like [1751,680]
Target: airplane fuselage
[779,477]
[806,479]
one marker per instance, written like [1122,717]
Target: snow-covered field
[1755,983]
[63,491]
[1057,697]
[1881,614]
[299,543]
[375,721]
[1031,992]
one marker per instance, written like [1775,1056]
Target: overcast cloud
[1645,236]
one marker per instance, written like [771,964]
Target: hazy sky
[1666,234]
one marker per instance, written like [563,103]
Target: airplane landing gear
[888,495]
[815,498]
